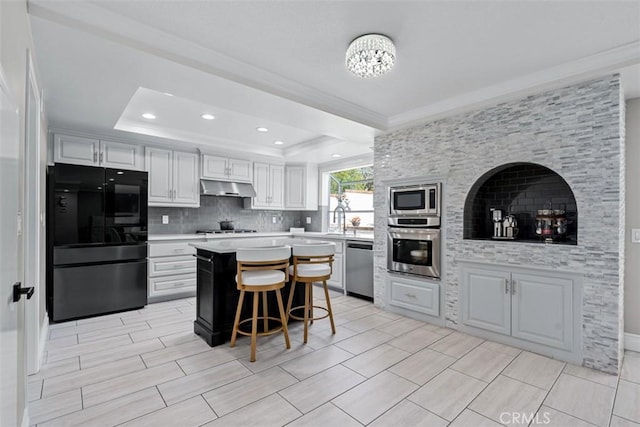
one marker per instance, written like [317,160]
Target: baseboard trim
[25,417]
[632,342]
[44,335]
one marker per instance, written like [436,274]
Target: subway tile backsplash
[214,209]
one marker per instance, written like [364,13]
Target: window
[352,190]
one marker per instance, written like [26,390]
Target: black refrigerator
[96,241]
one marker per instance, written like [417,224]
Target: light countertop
[212,236]
[274,234]
[231,245]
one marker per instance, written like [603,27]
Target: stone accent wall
[576,131]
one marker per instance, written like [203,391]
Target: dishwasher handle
[360,245]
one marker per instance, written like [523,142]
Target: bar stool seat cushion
[311,270]
[262,277]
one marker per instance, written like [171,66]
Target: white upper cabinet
[123,156]
[225,169]
[75,150]
[92,152]
[301,187]
[186,182]
[268,181]
[173,178]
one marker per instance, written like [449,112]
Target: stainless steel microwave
[415,200]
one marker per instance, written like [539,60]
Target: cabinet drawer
[172,284]
[166,266]
[421,297]
[170,249]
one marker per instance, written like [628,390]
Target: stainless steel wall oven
[413,245]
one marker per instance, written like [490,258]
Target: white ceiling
[280,64]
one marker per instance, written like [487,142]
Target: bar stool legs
[254,320]
[308,316]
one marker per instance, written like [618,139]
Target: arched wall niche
[520,189]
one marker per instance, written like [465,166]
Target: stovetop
[234,231]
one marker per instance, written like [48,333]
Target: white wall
[632,264]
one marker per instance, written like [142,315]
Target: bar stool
[260,271]
[311,263]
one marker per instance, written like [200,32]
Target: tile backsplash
[214,209]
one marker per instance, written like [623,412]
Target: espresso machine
[497,215]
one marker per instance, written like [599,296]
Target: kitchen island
[216,291]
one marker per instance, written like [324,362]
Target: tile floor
[147,368]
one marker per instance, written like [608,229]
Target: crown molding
[582,69]
[100,22]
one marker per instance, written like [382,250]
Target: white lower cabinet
[536,307]
[416,295]
[172,269]
[337,277]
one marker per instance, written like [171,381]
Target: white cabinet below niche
[535,306]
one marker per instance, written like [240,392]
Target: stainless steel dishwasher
[359,266]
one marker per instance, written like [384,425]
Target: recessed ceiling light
[261,129]
[207,117]
[278,142]
[149,116]
[167,93]
[120,173]
[336,155]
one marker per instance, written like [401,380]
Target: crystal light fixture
[371,55]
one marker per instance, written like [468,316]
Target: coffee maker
[497,215]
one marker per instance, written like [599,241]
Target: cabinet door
[542,310]
[214,167]
[261,184]
[186,182]
[276,179]
[486,299]
[121,156]
[294,187]
[158,163]
[75,150]
[240,170]
[336,279]
[423,297]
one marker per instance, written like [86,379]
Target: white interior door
[12,375]
[31,247]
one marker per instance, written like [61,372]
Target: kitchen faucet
[342,218]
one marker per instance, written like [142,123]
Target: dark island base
[217,297]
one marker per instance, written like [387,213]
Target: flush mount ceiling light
[261,129]
[149,116]
[207,117]
[371,55]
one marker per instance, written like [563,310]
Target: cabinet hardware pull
[95,156]
[506,286]
[410,295]
[169,191]
[179,250]
[101,156]
[175,285]
[203,258]
[513,287]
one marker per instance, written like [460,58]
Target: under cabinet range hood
[210,187]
